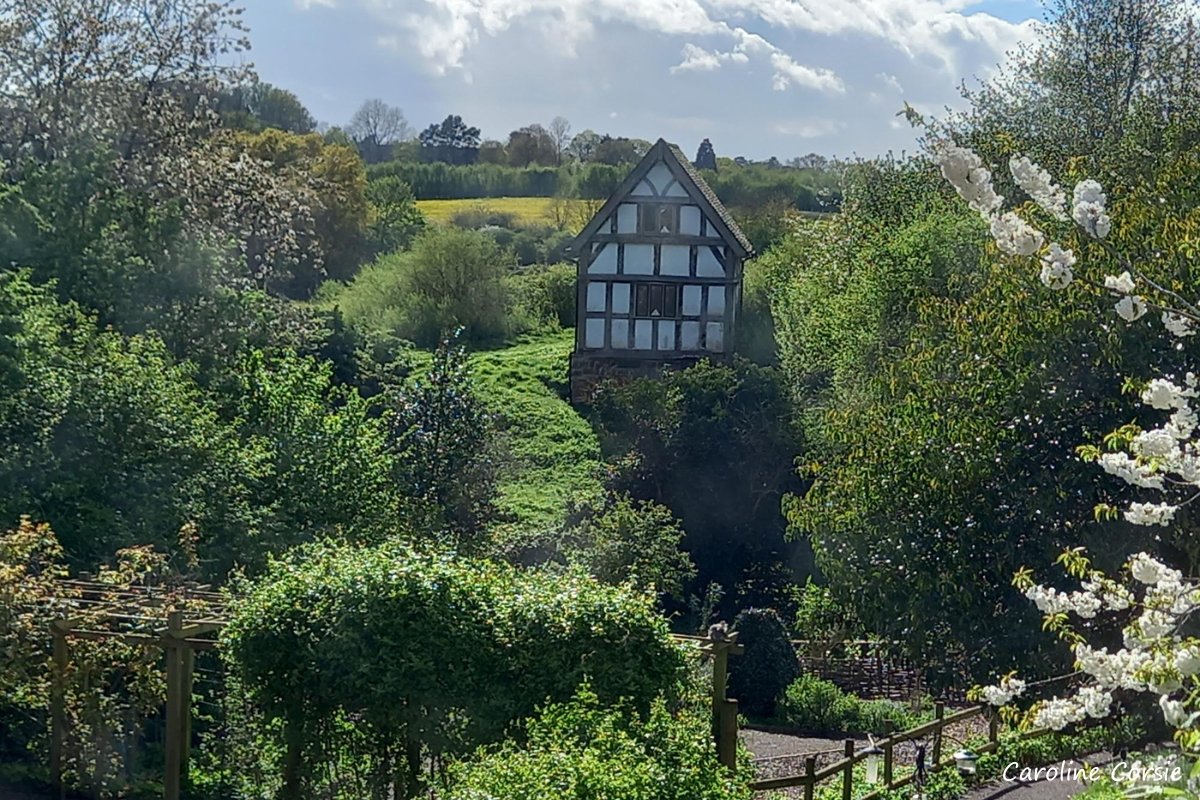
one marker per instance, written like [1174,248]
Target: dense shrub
[582,750]
[758,677]
[545,293]
[817,706]
[446,181]
[432,654]
[452,278]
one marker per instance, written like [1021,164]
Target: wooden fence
[845,767]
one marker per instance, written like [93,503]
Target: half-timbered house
[659,275]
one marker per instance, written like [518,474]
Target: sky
[756,77]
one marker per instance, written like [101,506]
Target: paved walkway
[1041,789]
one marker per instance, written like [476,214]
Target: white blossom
[1056,267]
[1131,308]
[964,170]
[1173,711]
[1150,513]
[1177,324]
[1122,283]
[1037,184]
[1088,211]
[1129,470]
[1015,236]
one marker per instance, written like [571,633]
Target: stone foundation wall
[588,372]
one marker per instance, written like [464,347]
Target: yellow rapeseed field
[525,210]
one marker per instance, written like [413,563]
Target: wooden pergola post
[58,705]
[179,697]
[724,710]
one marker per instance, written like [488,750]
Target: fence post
[994,726]
[810,772]
[728,734]
[58,708]
[939,712]
[887,754]
[848,774]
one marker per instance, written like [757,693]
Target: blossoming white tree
[1155,601]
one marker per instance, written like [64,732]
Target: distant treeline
[748,186]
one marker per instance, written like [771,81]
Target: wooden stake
[939,712]
[887,754]
[810,769]
[848,774]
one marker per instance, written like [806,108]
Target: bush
[384,651]
[817,706]
[452,278]
[581,750]
[759,676]
[545,294]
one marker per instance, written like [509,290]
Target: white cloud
[697,59]
[891,81]
[788,72]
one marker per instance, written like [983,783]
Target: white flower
[1177,324]
[1057,714]
[1095,701]
[1173,711]
[1088,211]
[1187,661]
[1015,236]
[1127,469]
[1163,394]
[964,170]
[1146,569]
[1037,184]
[1122,283]
[1056,267]
[1150,513]
[1131,308]
[1157,443]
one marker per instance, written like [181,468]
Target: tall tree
[260,105]
[532,144]
[376,127]
[451,141]
[706,157]
[583,145]
[1100,65]
[560,132]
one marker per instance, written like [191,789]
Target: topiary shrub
[818,706]
[582,750]
[759,676]
[402,657]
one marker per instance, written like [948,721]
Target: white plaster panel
[664,335]
[691,300]
[620,300]
[627,214]
[639,259]
[716,300]
[597,299]
[593,332]
[620,334]
[643,332]
[707,265]
[659,176]
[604,262]
[676,190]
[714,337]
[674,259]
[689,220]
[689,335]
[643,189]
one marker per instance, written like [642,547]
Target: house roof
[690,179]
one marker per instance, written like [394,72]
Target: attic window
[658,218]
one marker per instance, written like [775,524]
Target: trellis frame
[135,615]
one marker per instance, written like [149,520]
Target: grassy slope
[554,452]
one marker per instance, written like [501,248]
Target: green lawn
[525,210]
[554,453]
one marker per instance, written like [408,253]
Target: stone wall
[588,371]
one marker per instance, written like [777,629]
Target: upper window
[658,218]
[656,300]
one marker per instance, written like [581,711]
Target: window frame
[669,299]
[655,211]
